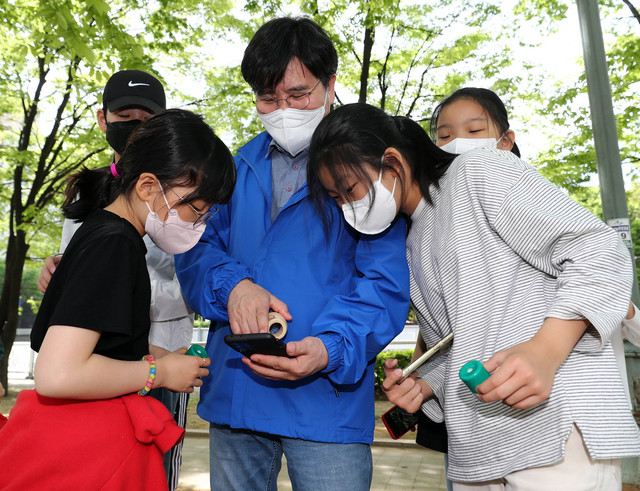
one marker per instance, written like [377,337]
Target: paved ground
[395,466]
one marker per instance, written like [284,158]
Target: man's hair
[280,40]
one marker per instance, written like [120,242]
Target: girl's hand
[524,374]
[180,372]
[408,395]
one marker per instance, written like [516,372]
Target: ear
[393,157]
[331,89]
[507,141]
[102,120]
[147,186]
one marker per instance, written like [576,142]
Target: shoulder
[254,150]
[104,230]
[486,170]
[485,162]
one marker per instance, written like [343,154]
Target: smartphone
[263,343]
[398,421]
[434,349]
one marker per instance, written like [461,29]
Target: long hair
[177,146]
[355,136]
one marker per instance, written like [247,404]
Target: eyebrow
[470,120]
[341,182]
[291,90]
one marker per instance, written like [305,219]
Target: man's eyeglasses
[202,216]
[296,100]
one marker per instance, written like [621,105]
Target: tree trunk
[10,297]
[366,62]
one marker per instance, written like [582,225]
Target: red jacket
[61,444]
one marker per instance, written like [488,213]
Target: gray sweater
[500,250]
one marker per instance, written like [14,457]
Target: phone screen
[263,343]
[398,421]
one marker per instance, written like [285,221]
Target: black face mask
[119,132]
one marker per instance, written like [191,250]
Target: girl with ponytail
[530,283]
[92,425]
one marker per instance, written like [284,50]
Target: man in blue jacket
[345,295]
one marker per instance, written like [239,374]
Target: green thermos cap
[473,374]
[197,350]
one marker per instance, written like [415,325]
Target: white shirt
[501,249]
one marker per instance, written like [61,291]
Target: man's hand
[410,394]
[308,356]
[248,307]
[50,265]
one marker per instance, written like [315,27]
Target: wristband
[152,375]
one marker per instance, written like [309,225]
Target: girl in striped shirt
[528,281]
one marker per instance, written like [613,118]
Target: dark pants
[173,458]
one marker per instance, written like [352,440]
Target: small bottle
[473,374]
[197,350]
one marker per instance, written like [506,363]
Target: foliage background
[403,357]
[402,55]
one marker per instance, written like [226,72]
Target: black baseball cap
[134,88]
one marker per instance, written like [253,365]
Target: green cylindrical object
[197,350]
[473,374]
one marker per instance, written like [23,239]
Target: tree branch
[32,110]
[382,74]
[41,174]
[634,11]
[369,34]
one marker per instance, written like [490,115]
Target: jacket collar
[257,156]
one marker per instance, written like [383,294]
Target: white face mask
[292,128]
[372,218]
[461,145]
[174,236]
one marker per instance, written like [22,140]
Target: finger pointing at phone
[249,306]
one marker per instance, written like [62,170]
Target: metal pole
[614,203]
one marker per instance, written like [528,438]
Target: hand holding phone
[263,343]
[424,357]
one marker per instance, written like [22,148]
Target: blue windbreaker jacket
[351,291]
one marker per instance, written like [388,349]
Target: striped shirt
[500,250]
[288,174]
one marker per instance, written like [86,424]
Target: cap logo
[131,84]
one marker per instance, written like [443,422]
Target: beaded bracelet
[152,375]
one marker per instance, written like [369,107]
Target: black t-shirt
[101,283]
